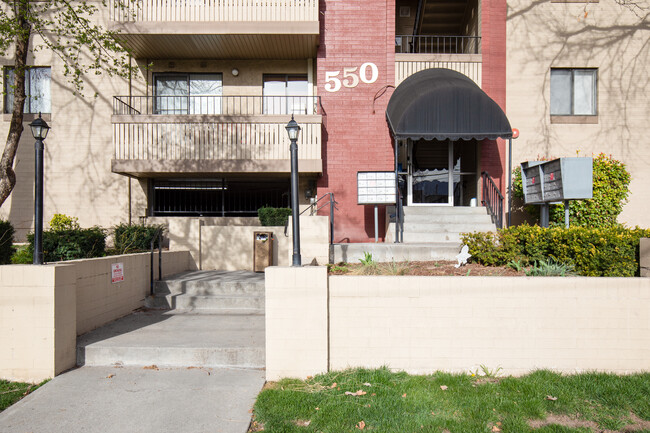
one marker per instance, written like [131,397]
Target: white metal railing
[212,140]
[406,68]
[213,10]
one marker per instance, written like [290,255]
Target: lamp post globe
[39,128]
[293,130]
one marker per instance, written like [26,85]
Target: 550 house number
[368,74]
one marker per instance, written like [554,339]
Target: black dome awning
[443,104]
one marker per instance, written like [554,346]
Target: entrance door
[441,173]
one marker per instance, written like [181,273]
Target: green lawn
[11,392]
[542,402]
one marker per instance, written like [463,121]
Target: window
[286,94]
[37,90]
[573,92]
[187,93]
[216,197]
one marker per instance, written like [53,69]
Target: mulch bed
[435,268]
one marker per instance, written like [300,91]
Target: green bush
[6,242]
[131,238]
[611,252]
[63,222]
[611,182]
[60,245]
[23,256]
[273,216]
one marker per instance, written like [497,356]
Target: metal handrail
[314,208]
[438,44]
[492,199]
[158,236]
[216,105]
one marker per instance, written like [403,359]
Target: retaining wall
[424,324]
[44,308]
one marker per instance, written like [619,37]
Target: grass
[11,392]
[541,402]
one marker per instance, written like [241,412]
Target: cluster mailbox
[559,180]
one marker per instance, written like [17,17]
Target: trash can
[262,250]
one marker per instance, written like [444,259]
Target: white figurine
[463,256]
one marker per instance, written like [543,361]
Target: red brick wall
[493,41]
[356,136]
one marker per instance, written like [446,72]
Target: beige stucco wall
[44,308]
[227,244]
[424,324]
[602,35]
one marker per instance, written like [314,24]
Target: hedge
[273,216]
[6,242]
[610,252]
[71,244]
[132,238]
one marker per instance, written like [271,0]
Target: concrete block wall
[425,324]
[37,321]
[296,321]
[44,308]
[230,247]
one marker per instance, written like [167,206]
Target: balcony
[167,135]
[247,29]
[416,53]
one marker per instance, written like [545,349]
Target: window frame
[572,117]
[188,79]
[27,109]
[286,109]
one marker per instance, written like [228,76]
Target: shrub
[611,182]
[6,242]
[61,222]
[23,256]
[609,252]
[273,216]
[71,244]
[131,238]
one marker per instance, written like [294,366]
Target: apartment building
[200,130]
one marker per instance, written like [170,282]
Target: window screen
[37,90]
[573,92]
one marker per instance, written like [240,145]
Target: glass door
[431,174]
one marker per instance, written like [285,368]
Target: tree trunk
[7,175]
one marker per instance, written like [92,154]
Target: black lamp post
[39,131]
[293,129]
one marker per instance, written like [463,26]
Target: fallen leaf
[433,413]
[318,408]
[309,377]
[550,397]
[333,385]
[110,376]
[373,394]
[443,387]
[151,367]
[359,392]
[361,425]
[403,395]
[495,429]
[586,13]
[366,384]
[367,405]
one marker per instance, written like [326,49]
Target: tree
[67,29]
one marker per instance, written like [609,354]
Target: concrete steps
[389,252]
[216,291]
[176,339]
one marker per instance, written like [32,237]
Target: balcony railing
[438,44]
[214,127]
[213,10]
[216,105]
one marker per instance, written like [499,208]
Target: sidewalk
[136,399]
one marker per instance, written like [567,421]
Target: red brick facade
[355,134]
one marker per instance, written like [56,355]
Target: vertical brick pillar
[356,136]
[493,48]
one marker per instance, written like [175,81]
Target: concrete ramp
[204,319]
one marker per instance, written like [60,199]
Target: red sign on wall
[117,272]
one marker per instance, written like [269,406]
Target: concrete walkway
[136,399]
